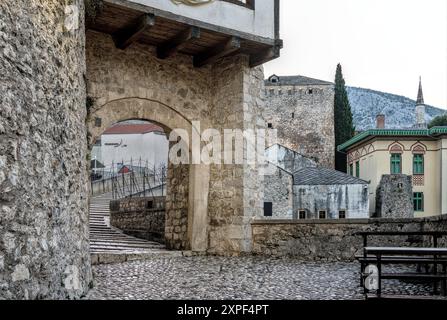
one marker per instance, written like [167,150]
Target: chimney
[380,121]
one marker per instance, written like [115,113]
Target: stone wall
[395,197]
[288,159]
[336,240]
[305,121]
[208,205]
[44,250]
[236,192]
[140,217]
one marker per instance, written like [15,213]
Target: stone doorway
[186,207]
[128,172]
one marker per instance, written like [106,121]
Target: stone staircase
[110,245]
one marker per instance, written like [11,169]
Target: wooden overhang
[129,22]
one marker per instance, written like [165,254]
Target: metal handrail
[138,180]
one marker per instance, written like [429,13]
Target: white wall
[353,198]
[96,153]
[151,147]
[260,22]
[278,190]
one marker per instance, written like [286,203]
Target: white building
[126,142]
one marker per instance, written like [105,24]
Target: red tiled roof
[133,129]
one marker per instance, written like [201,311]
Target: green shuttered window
[418,164]
[396,163]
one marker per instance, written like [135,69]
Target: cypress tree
[343,126]
[439,121]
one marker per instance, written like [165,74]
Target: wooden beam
[171,46]
[224,49]
[125,37]
[188,21]
[265,56]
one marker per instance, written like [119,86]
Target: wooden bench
[364,260]
[387,255]
[419,260]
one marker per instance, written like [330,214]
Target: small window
[302,214]
[418,164]
[289,92]
[357,169]
[150,204]
[270,125]
[396,163]
[321,214]
[310,91]
[351,169]
[98,122]
[268,209]
[342,214]
[293,115]
[418,201]
[272,92]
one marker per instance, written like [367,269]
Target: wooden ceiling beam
[265,55]
[175,44]
[226,48]
[125,37]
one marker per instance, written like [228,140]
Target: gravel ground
[248,278]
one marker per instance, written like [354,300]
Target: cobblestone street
[232,278]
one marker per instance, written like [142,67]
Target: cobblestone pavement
[233,278]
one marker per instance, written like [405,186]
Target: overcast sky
[382,44]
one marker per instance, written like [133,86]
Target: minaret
[420,108]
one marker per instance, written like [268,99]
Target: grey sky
[382,44]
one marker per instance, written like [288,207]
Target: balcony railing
[245,3]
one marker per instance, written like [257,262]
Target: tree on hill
[343,126]
[438,121]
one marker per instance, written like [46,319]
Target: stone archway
[187,185]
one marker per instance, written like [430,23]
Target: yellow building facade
[419,153]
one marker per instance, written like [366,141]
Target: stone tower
[301,109]
[420,108]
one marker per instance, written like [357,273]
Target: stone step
[111,244]
[99,228]
[118,247]
[119,241]
[122,241]
[121,248]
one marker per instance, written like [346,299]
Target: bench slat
[405,251]
[405,297]
[413,276]
[401,259]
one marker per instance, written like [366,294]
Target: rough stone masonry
[302,110]
[44,250]
[47,124]
[218,200]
